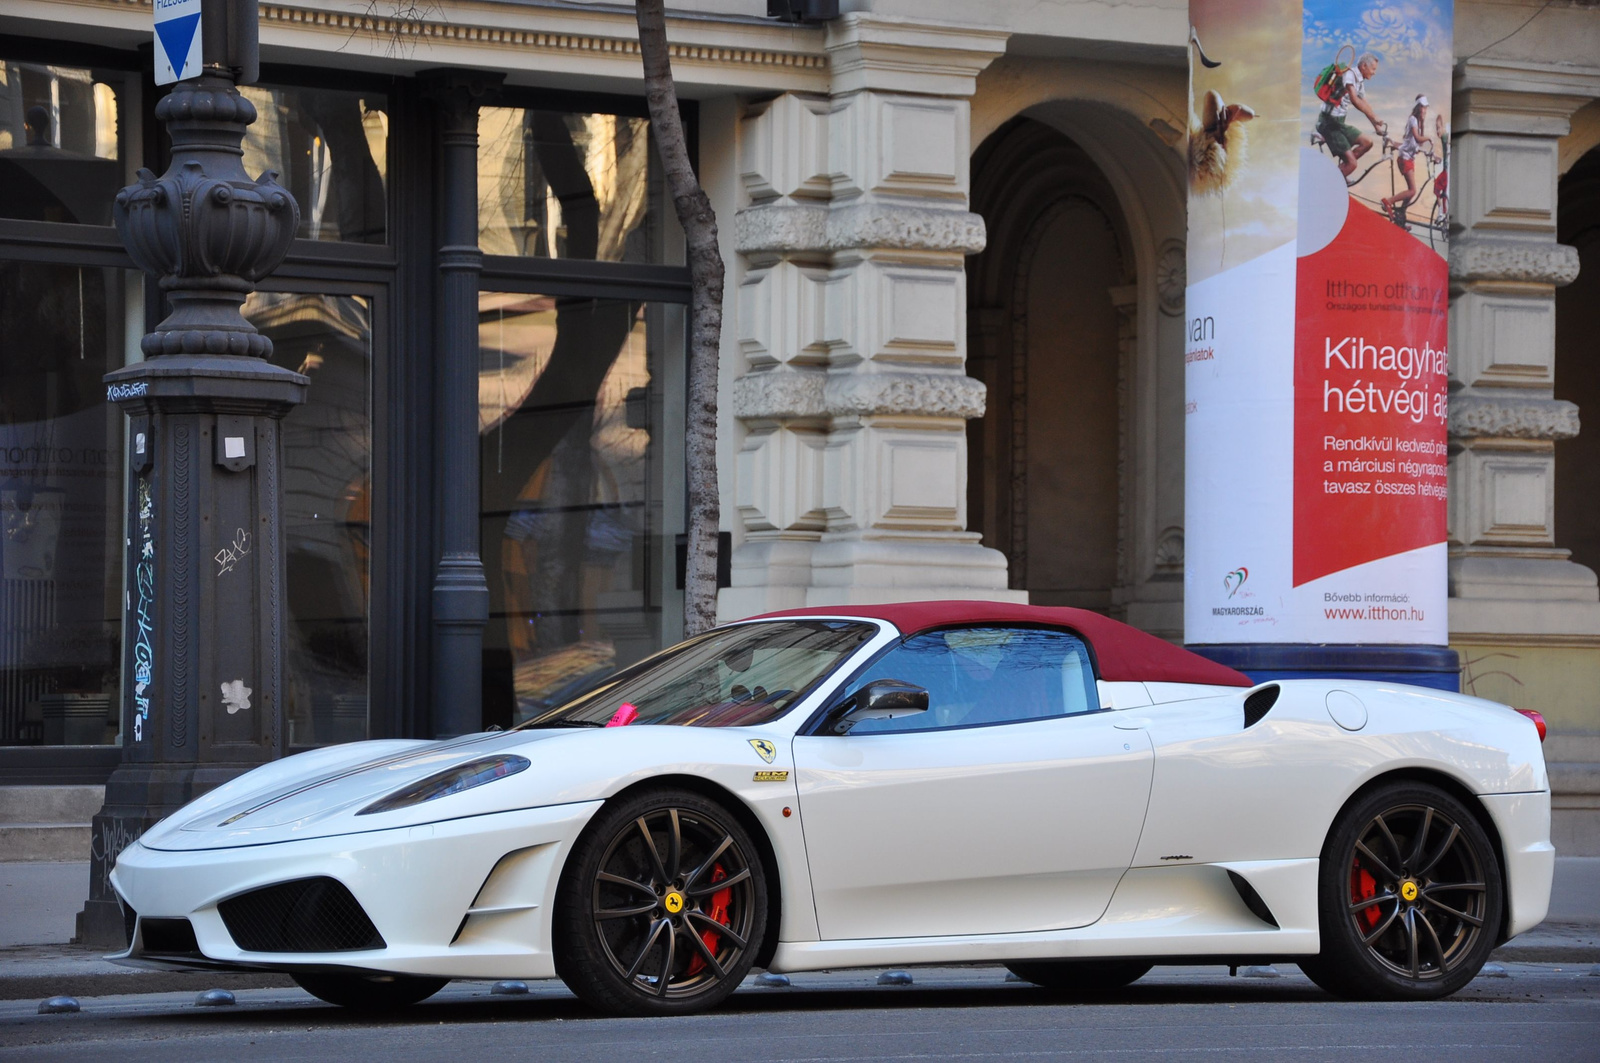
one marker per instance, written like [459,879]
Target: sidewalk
[39,904]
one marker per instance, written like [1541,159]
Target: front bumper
[465,898]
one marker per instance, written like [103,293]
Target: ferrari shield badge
[766,750]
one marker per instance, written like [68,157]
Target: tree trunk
[699,223]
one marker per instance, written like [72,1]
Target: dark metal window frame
[399,276]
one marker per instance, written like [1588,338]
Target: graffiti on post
[144,607]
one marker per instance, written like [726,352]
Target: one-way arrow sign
[177,40]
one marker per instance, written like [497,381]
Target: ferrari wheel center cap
[673,902]
[1408,891]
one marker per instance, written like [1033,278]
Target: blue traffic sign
[177,40]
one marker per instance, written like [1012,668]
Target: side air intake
[306,915]
[1259,704]
[1252,899]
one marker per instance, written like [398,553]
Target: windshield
[731,677]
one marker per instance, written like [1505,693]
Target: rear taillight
[1538,721]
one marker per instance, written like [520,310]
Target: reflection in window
[554,185]
[987,675]
[327,508]
[734,677]
[578,513]
[59,133]
[330,148]
[60,505]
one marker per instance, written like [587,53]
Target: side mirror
[882,699]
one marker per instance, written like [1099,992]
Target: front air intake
[1259,703]
[306,915]
[168,937]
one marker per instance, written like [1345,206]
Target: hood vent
[1259,704]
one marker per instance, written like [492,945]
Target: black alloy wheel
[1410,897]
[1080,977]
[361,992]
[661,907]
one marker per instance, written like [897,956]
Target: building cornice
[536,30]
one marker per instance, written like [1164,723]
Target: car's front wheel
[360,992]
[1410,897]
[662,906]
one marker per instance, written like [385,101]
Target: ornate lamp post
[203,655]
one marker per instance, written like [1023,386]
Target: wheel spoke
[705,865]
[1422,840]
[1451,887]
[1470,920]
[655,856]
[618,880]
[1444,847]
[737,876]
[705,952]
[675,849]
[1382,927]
[623,913]
[649,943]
[1433,936]
[1361,906]
[672,955]
[1412,960]
[1377,863]
[712,924]
[1394,846]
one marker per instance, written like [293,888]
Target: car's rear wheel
[661,907]
[376,992]
[1081,977]
[1410,897]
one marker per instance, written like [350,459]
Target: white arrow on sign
[177,40]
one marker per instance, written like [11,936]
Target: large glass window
[987,675]
[327,508]
[555,184]
[61,139]
[61,330]
[331,149]
[580,417]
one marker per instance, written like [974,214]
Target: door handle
[1131,723]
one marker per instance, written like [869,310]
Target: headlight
[452,781]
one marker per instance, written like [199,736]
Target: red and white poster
[1317,347]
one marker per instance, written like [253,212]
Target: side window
[987,675]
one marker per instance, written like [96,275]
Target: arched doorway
[1050,317]
[1577,370]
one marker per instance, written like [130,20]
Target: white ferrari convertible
[936,782]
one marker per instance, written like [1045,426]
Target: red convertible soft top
[1124,653]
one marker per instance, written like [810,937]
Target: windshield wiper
[562,723]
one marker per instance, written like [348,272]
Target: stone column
[460,589]
[1506,572]
[202,677]
[852,480]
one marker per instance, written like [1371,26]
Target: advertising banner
[1316,344]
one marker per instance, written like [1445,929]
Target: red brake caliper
[718,911]
[1363,887]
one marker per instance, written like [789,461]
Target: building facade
[952,364]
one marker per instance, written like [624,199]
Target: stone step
[44,841]
[49,804]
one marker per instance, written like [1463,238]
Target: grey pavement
[1528,1011]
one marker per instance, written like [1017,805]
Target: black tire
[377,992]
[1081,977]
[675,923]
[1409,897]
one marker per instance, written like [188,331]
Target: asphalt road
[1538,1012]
